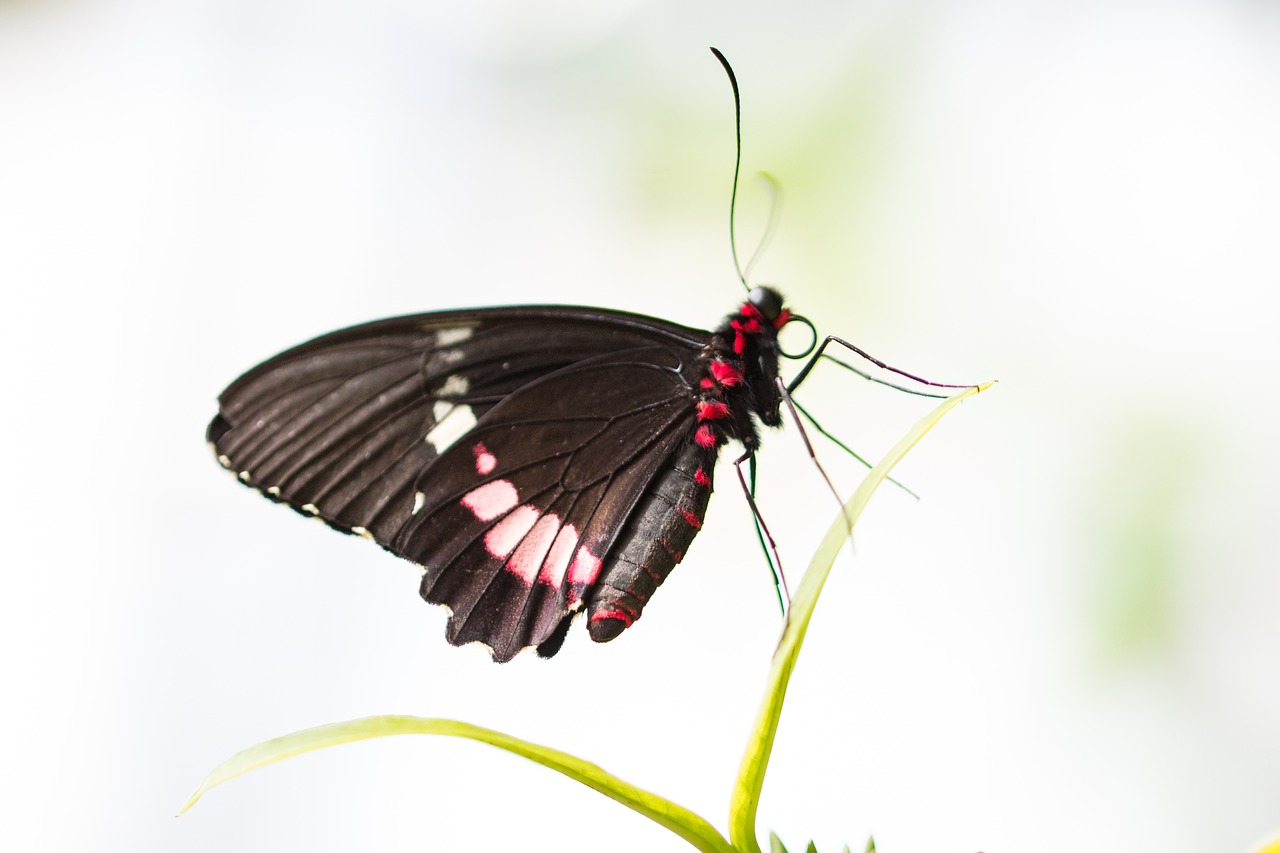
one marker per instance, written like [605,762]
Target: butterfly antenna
[737,164]
[762,531]
[775,205]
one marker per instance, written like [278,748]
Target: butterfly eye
[767,301]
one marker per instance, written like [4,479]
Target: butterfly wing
[514,523]
[342,426]
[576,410]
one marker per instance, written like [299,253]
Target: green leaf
[871,844]
[775,844]
[812,848]
[684,823]
[750,781]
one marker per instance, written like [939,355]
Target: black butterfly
[534,461]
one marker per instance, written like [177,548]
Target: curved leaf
[684,823]
[746,791]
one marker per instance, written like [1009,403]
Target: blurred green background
[1070,643]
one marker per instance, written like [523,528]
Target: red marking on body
[485,461]
[557,561]
[784,317]
[676,556]
[585,567]
[712,410]
[700,477]
[726,374]
[708,383]
[705,436]
[621,615]
[530,554]
[691,519]
[491,500]
[506,534]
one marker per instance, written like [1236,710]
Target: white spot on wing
[311,508]
[244,475]
[448,337]
[456,421]
[360,531]
[224,460]
[274,491]
[454,386]
[419,501]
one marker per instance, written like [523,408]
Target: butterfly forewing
[342,426]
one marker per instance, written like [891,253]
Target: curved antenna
[775,205]
[737,163]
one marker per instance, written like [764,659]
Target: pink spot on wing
[506,534]
[485,461]
[557,561]
[491,500]
[527,559]
[585,568]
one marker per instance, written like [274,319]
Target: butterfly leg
[762,529]
[795,406]
[820,352]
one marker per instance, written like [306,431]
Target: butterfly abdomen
[667,518]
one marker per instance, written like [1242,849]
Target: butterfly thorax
[741,378]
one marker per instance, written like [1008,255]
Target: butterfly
[536,462]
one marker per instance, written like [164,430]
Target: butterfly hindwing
[514,522]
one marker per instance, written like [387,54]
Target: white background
[1070,643]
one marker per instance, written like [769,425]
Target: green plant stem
[746,793]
